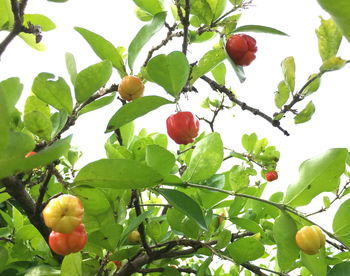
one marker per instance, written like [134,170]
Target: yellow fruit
[63,214]
[134,236]
[310,239]
[131,88]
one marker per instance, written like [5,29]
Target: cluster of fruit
[64,215]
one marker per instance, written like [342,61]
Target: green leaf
[329,38]
[169,271]
[169,71]
[91,79]
[13,165]
[210,198]
[245,250]
[20,144]
[143,15]
[341,269]
[71,67]
[118,174]
[58,121]
[247,224]
[284,231]
[306,114]
[4,256]
[206,158]
[186,205]
[6,18]
[42,270]
[340,14]
[54,92]
[72,265]
[30,39]
[282,94]
[217,7]
[202,9]
[316,264]
[258,29]
[135,109]
[237,68]
[39,124]
[208,62]
[341,221]
[288,69]
[224,238]
[151,6]
[43,21]
[204,268]
[104,49]
[249,141]
[313,86]
[102,102]
[219,73]
[160,159]
[316,175]
[4,120]
[12,89]
[332,64]
[143,36]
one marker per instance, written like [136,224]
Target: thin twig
[43,189]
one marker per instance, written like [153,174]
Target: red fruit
[118,264]
[64,244]
[271,176]
[29,154]
[241,48]
[182,127]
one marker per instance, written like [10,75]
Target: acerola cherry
[64,213]
[182,127]
[310,239]
[118,264]
[64,244]
[134,236]
[29,154]
[131,88]
[271,176]
[241,48]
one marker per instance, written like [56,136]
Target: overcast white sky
[115,20]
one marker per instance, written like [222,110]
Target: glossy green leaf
[224,238]
[202,9]
[316,175]
[20,144]
[217,7]
[249,141]
[118,174]
[71,67]
[72,265]
[103,49]
[208,62]
[39,124]
[288,69]
[332,64]
[284,231]
[329,38]
[341,269]
[42,270]
[247,224]
[151,6]
[143,36]
[206,158]
[159,159]
[91,79]
[43,21]
[30,39]
[143,15]
[282,94]
[316,264]
[132,110]
[341,221]
[175,219]
[4,256]
[313,86]
[194,37]
[97,104]
[210,198]
[186,205]
[306,114]
[204,267]
[169,71]
[58,121]
[237,68]
[6,18]
[13,165]
[219,73]
[12,89]
[245,250]
[4,120]
[55,92]
[340,14]
[170,271]
[258,29]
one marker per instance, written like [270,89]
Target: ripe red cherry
[64,244]
[241,48]
[182,127]
[271,176]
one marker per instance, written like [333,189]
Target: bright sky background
[115,20]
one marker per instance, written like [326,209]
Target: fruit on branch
[182,127]
[134,236]
[118,264]
[241,48]
[310,239]
[131,88]
[29,154]
[221,218]
[271,176]
[64,244]
[64,213]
